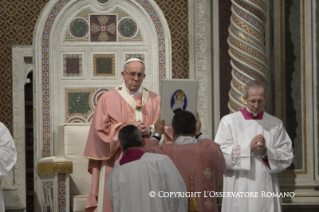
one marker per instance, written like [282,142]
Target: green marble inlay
[104,65]
[79,29]
[103,1]
[79,102]
[127,28]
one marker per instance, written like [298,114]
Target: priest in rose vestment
[199,160]
[256,147]
[138,182]
[8,157]
[129,103]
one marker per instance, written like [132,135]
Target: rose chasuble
[115,108]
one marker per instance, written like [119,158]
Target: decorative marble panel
[137,37]
[72,65]
[139,56]
[103,65]
[127,28]
[62,196]
[79,28]
[103,28]
[18,19]
[80,104]
[85,16]
[121,15]
[48,205]
[176,14]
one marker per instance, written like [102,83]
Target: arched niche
[75,40]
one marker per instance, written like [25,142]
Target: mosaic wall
[103,65]
[80,104]
[176,14]
[72,65]
[103,28]
[17,22]
[62,190]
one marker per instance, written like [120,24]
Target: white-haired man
[256,146]
[127,104]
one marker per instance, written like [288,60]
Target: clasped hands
[258,141]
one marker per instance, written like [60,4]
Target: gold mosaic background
[17,22]
[176,14]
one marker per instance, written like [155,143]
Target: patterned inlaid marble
[48,196]
[252,10]
[127,28]
[45,75]
[78,102]
[104,65]
[62,192]
[255,22]
[139,56]
[81,103]
[103,28]
[79,28]
[72,65]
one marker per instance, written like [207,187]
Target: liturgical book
[176,95]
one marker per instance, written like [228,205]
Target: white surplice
[8,157]
[130,184]
[245,170]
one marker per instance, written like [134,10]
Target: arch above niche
[52,54]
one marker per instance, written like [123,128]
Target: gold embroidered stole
[130,100]
[192,203]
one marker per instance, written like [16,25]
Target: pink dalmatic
[203,161]
[249,116]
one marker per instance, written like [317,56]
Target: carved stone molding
[21,55]
[202,52]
